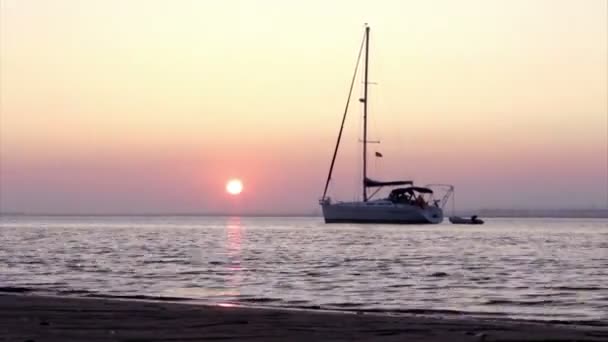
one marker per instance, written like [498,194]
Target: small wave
[141,297]
[589,322]
[191,272]
[259,300]
[473,268]
[516,302]
[167,261]
[577,288]
[344,305]
[329,265]
[480,278]
[15,289]
[44,284]
[429,312]
[311,307]
[438,274]
[33,262]
[74,292]
[296,302]
[359,259]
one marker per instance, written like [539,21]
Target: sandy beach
[40,318]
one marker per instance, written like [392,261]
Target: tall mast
[364,100]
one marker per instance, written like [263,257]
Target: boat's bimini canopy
[373,183]
[411,190]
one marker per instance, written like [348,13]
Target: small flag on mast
[378,154]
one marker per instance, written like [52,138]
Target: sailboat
[405,204]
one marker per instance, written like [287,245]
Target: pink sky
[151,106]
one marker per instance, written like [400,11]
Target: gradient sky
[151,106]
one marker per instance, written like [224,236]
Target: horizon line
[488,212]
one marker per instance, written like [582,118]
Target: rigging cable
[350,92]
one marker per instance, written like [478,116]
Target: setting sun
[234,186]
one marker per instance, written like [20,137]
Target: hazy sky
[151,106]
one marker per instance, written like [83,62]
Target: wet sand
[39,318]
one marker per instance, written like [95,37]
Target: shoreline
[259,304]
[54,318]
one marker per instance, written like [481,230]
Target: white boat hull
[380,212]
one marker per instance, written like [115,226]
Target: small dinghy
[462,220]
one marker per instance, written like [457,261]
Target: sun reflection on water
[234,231]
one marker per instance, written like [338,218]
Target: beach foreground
[39,318]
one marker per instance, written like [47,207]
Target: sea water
[542,269]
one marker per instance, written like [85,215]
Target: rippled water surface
[553,269]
